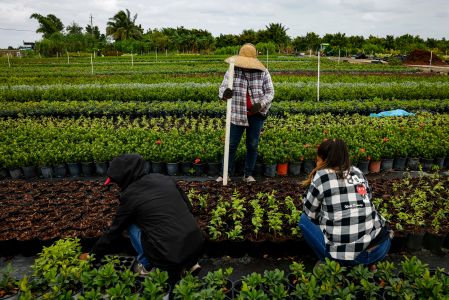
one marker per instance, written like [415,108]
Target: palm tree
[48,25]
[122,27]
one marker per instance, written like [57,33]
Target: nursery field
[62,120]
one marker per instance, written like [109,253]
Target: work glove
[227,94]
[255,108]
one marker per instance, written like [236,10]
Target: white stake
[92,64]
[228,123]
[9,63]
[310,53]
[431,56]
[318,82]
[132,60]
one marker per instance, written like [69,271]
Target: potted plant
[296,159]
[155,285]
[309,158]
[387,154]
[8,286]
[187,287]
[219,280]
[267,152]
[282,158]
[171,156]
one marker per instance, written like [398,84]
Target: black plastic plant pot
[47,172]
[399,163]
[236,288]
[158,167]
[387,164]
[101,167]
[3,173]
[434,242]
[412,163]
[87,243]
[294,168]
[172,169]
[30,247]
[270,170]
[15,173]
[363,165]
[8,248]
[426,164]
[74,169]
[213,169]
[215,248]
[60,170]
[29,172]
[199,169]
[439,162]
[88,168]
[186,168]
[147,167]
[414,241]
[258,170]
[309,165]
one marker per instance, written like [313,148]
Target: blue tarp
[392,113]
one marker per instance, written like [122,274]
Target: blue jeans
[252,143]
[315,239]
[134,233]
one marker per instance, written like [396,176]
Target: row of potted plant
[191,91]
[104,74]
[211,109]
[51,141]
[59,274]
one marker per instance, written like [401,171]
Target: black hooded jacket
[170,235]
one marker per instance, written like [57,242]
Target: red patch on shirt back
[361,189]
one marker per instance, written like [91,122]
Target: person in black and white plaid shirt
[251,95]
[339,221]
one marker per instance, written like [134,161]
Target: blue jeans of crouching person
[315,239]
[134,233]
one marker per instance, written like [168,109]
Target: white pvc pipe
[318,82]
[228,123]
[92,64]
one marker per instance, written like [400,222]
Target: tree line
[124,35]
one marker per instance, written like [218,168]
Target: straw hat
[247,58]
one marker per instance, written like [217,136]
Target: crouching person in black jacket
[158,217]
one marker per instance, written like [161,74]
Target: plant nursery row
[210,109]
[27,78]
[47,141]
[238,218]
[59,274]
[190,91]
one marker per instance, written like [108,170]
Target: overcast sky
[354,17]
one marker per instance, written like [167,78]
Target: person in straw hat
[251,96]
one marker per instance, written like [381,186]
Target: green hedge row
[48,141]
[217,109]
[209,91]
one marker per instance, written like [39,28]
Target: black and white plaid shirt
[348,220]
[260,88]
